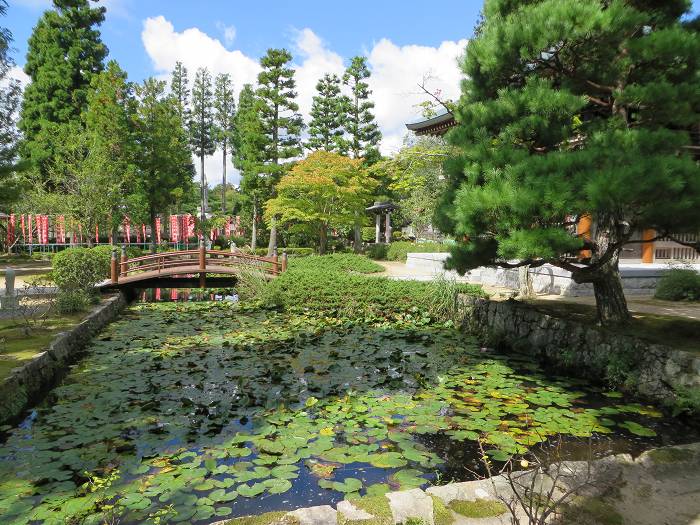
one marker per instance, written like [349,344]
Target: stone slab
[351,512]
[411,504]
[321,515]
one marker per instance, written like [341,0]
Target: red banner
[157,230]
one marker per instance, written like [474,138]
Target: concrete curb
[26,384]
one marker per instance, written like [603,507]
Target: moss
[669,455]
[480,508]
[591,511]
[377,506]
[269,518]
[441,513]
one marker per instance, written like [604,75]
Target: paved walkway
[643,304]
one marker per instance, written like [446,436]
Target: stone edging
[658,372]
[652,485]
[25,385]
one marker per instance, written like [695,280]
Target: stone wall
[26,384]
[637,279]
[652,371]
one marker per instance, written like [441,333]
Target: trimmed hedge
[679,284]
[344,262]
[83,268]
[291,252]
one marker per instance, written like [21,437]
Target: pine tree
[65,52]
[179,88]
[163,157]
[202,128]
[574,108]
[10,97]
[281,121]
[364,134]
[249,143]
[225,111]
[327,114]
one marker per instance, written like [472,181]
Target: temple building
[659,251]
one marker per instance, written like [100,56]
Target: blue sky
[407,43]
[349,30]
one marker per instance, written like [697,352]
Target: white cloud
[396,72]
[17,73]
[229,32]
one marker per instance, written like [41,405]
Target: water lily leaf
[277,486]
[387,460]
[250,491]
[637,429]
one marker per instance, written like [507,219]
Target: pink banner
[24,229]
[143,232]
[11,229]
[29,228]
[190,226]
[97,233]
[174,228]
[61,229]
[158,230]
[227,227]
[45,220]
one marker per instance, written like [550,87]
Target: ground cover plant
[189,412]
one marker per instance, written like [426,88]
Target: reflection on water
[157,295]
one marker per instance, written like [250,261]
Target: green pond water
[196,411]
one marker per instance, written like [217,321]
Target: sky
[406,41]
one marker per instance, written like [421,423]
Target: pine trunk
[272,245]
[203,204]
[610,297]
[323,240]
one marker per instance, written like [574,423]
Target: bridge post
[114,274]
[123,265]
[284,261]
[202,264]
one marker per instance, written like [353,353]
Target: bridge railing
[199,261]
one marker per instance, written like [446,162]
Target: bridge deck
[185,264]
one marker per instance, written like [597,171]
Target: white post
[377,228]
[387,231]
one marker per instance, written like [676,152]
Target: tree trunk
[609,296]
[223,185]
[203,204]
[254,239]
[357,231]
[154,235]
[323,240]
[272,245]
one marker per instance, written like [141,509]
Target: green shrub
[398,251]
[83,268]
[72,301]
[325,289]
[291,252]
[369,233]
[80,268]
[343,262]
[679,284]
[378,252]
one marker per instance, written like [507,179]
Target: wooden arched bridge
[182,267]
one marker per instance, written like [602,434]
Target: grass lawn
[17,347]
[677,332]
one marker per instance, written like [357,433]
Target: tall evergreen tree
[327,116]
[364,134]
[163,158]
[10,97]
[574,109]
[281,121]
[225,111]
[180,89]
[202,127]
[249,143]
[65,52]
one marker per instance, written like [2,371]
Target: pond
[197,411]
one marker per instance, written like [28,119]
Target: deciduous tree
[65,52]
[325,190]
[574,108]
